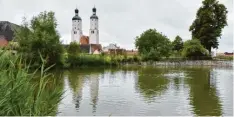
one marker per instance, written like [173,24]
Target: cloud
[120,21]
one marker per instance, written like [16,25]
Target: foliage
[153,45]
[177,43]
[194,49]
[73,48]
[40,36]
[210,20]
[20,95]
[87,60]
[82,60]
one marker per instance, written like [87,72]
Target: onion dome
[94,16]
[76,17]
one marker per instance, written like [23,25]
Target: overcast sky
[120,21]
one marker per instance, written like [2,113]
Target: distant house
[228,54]
[110,47]
[7,30]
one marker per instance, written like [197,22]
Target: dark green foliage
[85,60]
[73,48]
[210,20]
[177,44]
[40,36]
[152,45]
[194,49]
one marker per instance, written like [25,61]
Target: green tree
[177,44]
[211,18]
[153,45]
[194,49]
[73,48]
[40,36]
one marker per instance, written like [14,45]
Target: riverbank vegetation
[23,93]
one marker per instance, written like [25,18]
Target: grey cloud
[120,20]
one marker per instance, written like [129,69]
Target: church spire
[94,16]
[76,17]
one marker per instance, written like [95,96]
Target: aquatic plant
[20,95]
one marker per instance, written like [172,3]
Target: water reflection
[151,82]
[94,88]
[203,92]
[139,91]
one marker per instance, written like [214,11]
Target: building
[88,44]
[110,47]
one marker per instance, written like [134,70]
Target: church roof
[76,17]
[94,16]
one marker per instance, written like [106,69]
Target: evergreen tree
[177,44]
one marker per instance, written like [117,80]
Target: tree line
[206,29]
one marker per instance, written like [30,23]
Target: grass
[20,95]
[223,57]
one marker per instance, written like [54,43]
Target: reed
[20,95]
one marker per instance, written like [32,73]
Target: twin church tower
[77,33]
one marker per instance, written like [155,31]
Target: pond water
[147,91]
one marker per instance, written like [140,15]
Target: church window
[75,32]
[92,32]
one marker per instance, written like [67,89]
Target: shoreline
[221,63]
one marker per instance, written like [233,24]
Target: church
[88,44]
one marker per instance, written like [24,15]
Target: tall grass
[20,95]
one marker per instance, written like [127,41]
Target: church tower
[94,32]
[76,32]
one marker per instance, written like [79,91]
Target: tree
[194,49]
[73,48]
[211,18]
[153,45]
[177,44]
[40,37]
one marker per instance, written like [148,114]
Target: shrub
[194,50]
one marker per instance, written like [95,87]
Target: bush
[84,60]
[194,50]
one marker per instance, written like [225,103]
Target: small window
[92,32]
[75,32]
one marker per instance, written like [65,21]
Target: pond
[149,91]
